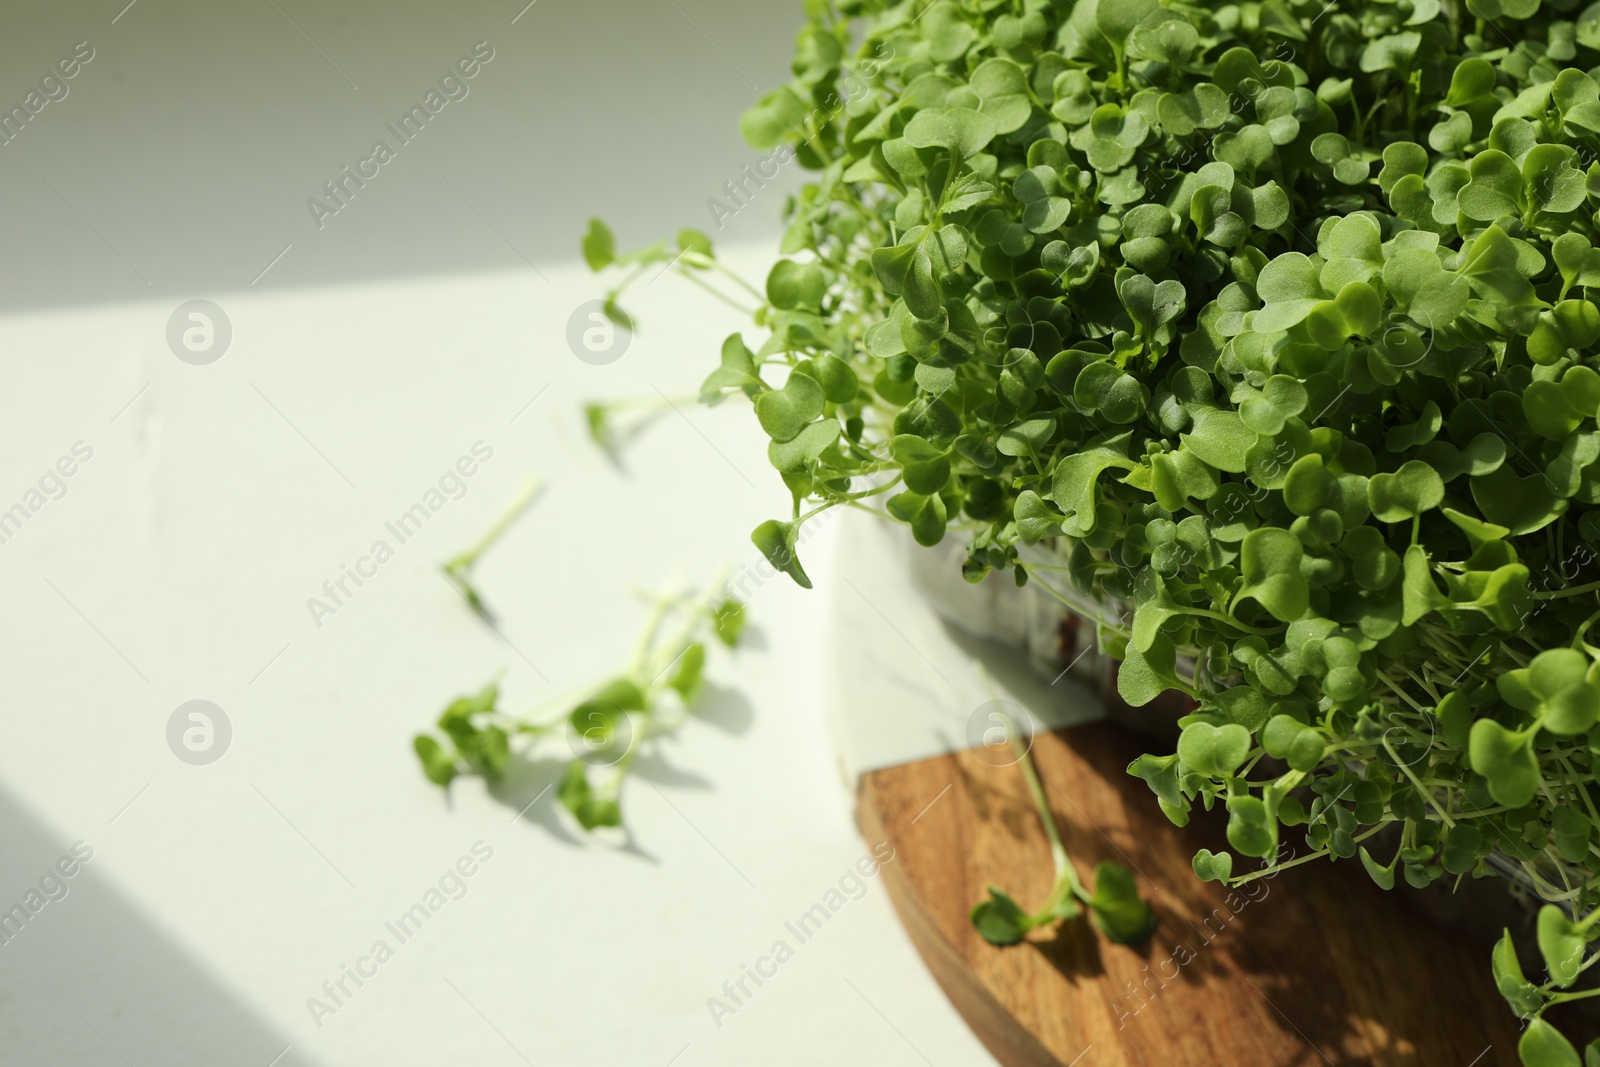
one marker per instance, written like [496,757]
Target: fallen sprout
[605,725]
[1113,902]
[458,569]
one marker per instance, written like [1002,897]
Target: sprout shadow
[652,765]
[529,784]
[1072,948]
[752,638]
[729,710]
[528,787]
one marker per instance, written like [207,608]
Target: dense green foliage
[1270,326]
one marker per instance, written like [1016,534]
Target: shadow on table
[529,784]
[89,979]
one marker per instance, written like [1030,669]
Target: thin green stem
[1307,858]
[1573,590]
[718,293]
[524,497]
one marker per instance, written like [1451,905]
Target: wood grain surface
[1313,966]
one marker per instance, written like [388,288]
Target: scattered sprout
[1114,902]
[458,569]
[605,726]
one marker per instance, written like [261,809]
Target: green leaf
[1289,287]
[1518,991]
[777,541]
[928,417]
[622,694]
[1402,159]
[1111,137]
[727,621]
[776,117]
[1146,674]
[999,920]
[437,764]
[1521,504]
[1028,438]
[1204,107]
[791,284]
[1291,740]
[1542,1044]
[783,413]
[1221,438]
[1152,305]
[1577,260]
[1170,39]
[1553,179]
[686,677]
[1214,751]
[599,247]
[1432,297]
[946,31]
[1530,102]
[1075,485]
[801,454]
[1116,906]
[1495,190]
[924,514]
[1394,52]
[1383,876]
[1035,520]
[1269,562]
[1003,88]
[1561,944]
[925,468]
[590,808]
[1352,248]
[1505,757]
[1213,866]
[1462,848]
[1161,774]
[691,240]
[1564,332]
[1492,266]
[964,132]
[1251,827]
[1572,830]
[1405,494]
[1557,681]
[1420,594]
[738,371]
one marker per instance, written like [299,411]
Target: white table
[177,566]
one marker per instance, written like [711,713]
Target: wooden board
[1314,966]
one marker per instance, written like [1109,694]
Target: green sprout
[614,424]
[458,569]
[605,725]
[1114,902]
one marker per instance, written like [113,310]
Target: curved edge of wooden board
[988,1019]
[1282,983]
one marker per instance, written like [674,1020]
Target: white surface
[178,565]
[904,684]
[181,160]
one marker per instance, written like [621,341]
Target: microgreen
[458,568]
[1275,328]
[1113,902]
[603,726]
